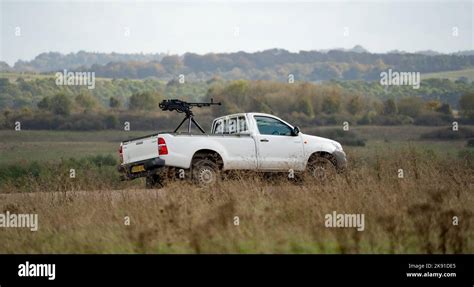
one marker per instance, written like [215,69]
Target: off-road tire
[205,172]
[321,169]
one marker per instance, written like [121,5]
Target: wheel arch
[323,154]
[208,154]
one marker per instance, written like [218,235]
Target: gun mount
[185,107]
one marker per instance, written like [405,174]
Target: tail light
[162,148]
[121,153]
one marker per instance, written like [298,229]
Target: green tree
[237,92]
[410,106]
[331,104]
[60,104]
[114,103]
[466,105]
[86,101]
[45,103]
[305,106]
[171,63]
[354,105]
[445,109]
[146,101]
[433,105]
[354,72]
[390,107]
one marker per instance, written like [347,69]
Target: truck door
[277,147]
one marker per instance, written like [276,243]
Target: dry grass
[409,215]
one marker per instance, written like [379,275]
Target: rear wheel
[205,172]
[321,169]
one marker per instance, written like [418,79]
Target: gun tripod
[191,120]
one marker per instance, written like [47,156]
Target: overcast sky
[202,27]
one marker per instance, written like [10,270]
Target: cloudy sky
[29,28]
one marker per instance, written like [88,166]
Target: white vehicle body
[245,141]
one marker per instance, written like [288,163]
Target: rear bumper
[341,160]
[150,166]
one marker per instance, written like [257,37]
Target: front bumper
[341,160]
[150,165]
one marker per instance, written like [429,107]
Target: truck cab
[278,145]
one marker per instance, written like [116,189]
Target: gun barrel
[203,104]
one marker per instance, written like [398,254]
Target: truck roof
[250,114]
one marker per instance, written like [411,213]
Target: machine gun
[185,107]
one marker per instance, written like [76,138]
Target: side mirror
[296,131]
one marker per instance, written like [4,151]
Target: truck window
[243,124]
[271,126]
[234,125]
[219,127]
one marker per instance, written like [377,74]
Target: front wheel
[205,172]
[321,169]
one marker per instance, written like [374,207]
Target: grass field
[96,213]
[25,146]
[52,145]
[451,75]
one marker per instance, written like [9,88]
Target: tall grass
[88,173]
[413,214]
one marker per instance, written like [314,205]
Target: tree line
[306,104]
[273,64]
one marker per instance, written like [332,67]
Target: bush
[449,134]
[111,122]
[334,119]
[86,101]
[433,119]
[101,121]
[60,104]
[14,172]
[83,125]
[102,160]
[467,155]
[410,106]
[349,138]
[368,118]
[392,120]
[466,105]
[17,172]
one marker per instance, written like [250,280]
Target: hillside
[273,64]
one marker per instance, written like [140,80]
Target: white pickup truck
[246,141]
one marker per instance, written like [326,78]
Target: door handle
[264,140]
